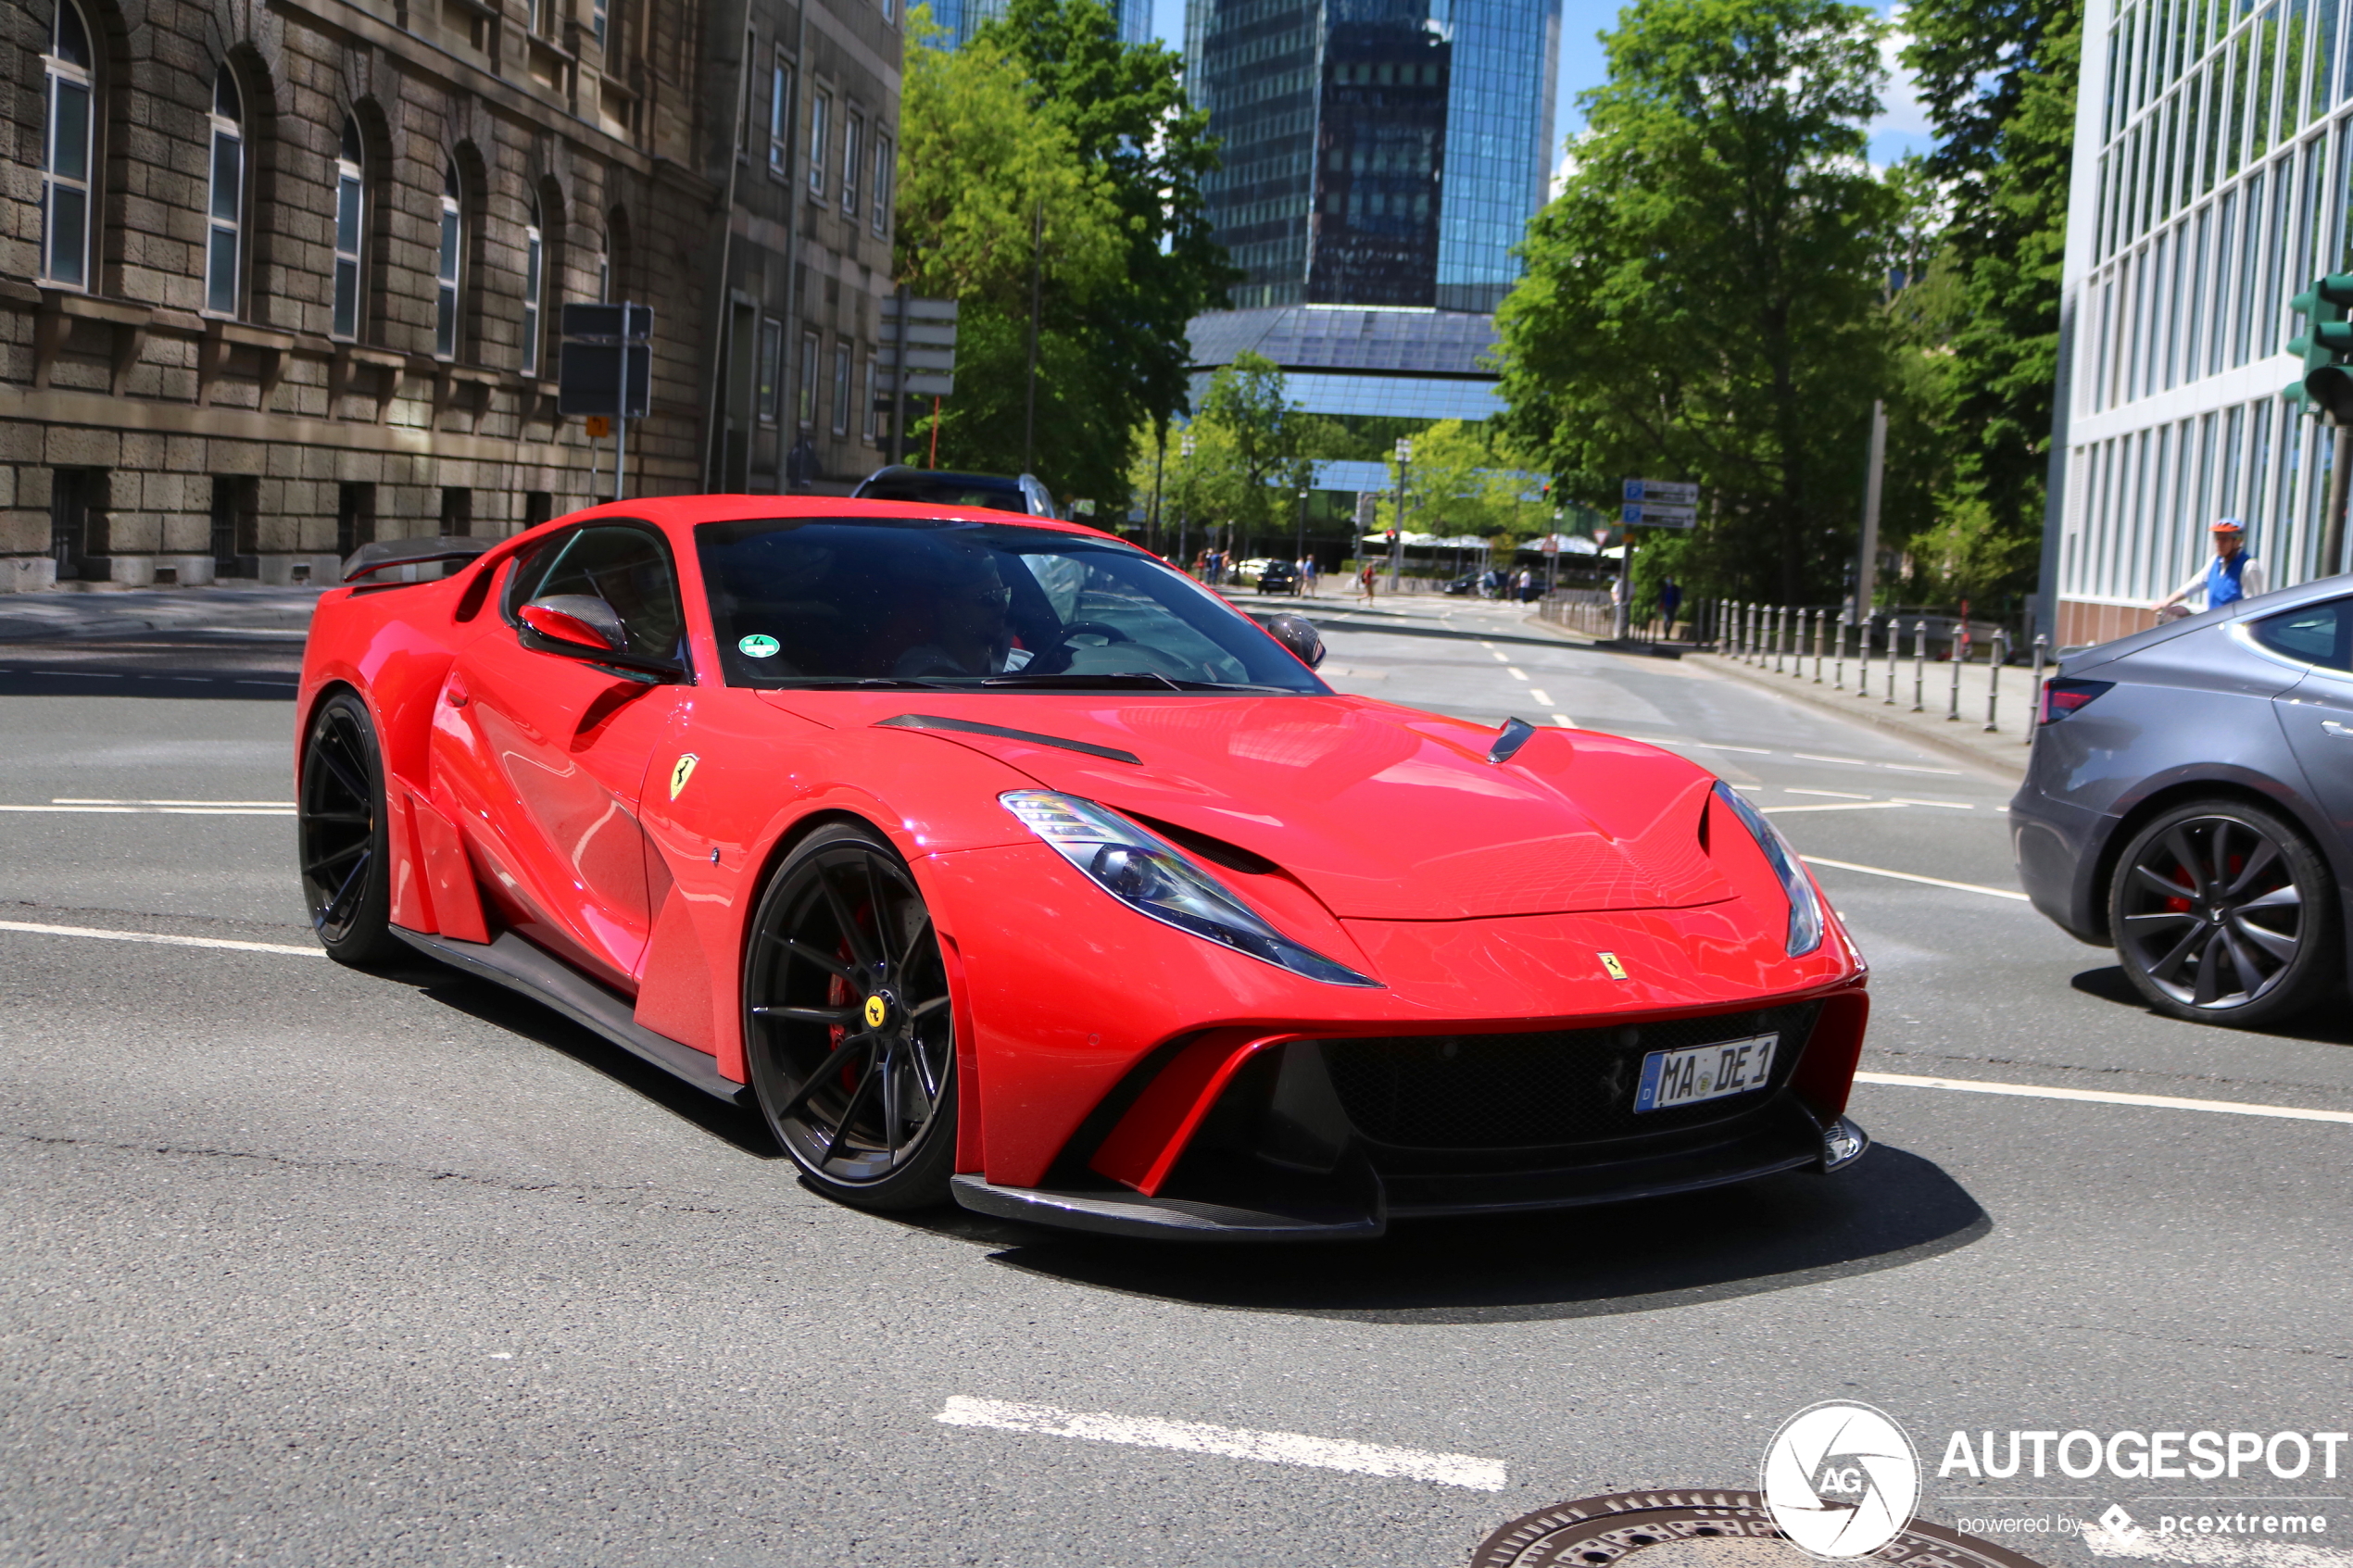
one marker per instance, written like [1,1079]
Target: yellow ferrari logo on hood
[1609,961]
[680,771]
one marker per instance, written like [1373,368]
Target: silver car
[2189,802]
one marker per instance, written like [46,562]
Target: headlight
[1146,874]
[1805,909]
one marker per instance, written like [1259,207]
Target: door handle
[2332,727]
[454,694]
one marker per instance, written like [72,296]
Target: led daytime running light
[1148,875]
[1804,907]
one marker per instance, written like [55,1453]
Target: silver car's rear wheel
[2224,913]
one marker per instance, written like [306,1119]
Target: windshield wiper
[858,682]
[1124,680]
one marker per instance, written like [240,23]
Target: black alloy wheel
[2223,913]
[847,1027]
[339,834]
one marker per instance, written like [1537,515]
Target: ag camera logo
[1841,1480]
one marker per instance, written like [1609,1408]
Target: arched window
[224,248]
[445,318]
[67,154]
[351,202]
[604,268]
[535,255]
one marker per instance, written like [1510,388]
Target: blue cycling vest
[2223,581]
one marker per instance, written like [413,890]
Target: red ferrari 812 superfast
[993,858]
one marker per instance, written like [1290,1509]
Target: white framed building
[2210,187]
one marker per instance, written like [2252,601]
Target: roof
[1348,337]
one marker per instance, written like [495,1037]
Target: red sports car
[995,859]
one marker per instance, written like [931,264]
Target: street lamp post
[1300,553]
[1185,502]
[1397,544]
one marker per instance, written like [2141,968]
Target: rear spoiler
[371,559]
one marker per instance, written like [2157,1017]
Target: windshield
[933,489]
[970,606]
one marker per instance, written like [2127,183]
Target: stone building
[275,281]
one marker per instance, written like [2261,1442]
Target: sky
[1903,129]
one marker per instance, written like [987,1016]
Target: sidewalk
[2004,749]
[51,616]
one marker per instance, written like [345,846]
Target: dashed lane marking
[2103,1096]
[158,939]
[1832,793]
[1231,1442]
[105,800]
[1911,876]
[157,810]
[1563,721]
[1837,806]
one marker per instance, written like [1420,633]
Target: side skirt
[509,960]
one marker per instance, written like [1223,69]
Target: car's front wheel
[848,1028]
[2222,913]
[340,837]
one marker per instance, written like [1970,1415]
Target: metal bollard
[1894,653]
[1838,663]
[1920,663]
[1863,670]
[2035,690]
[1779,633]
[1821,624]
[1756,632]
[1953,656]
[1998,655]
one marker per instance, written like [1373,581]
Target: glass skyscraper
[1377,152]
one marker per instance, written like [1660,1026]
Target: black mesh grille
[1546,1088]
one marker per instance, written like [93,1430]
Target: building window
[236,525]
[225,243]
[355,516]
[350,215]
[821,109]
[853,132]
[534,254]
[772,369]
[805,399]
[596,20]
[891,10]
[445,300]
[884,167]
[604,268]
[779,116]
[67,154]
[538,505]
[457,511]
[841,389]
[874,396]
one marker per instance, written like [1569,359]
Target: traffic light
[2324,344]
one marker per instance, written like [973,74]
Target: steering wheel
[1055,654]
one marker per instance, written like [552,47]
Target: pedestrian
[1365,580]
[1670,599]
[2230,576]
[1307,576]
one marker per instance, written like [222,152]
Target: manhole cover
[1702,1529]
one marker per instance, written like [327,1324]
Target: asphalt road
[306,1266]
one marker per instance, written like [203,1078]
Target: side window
[2319,633]
[627,567]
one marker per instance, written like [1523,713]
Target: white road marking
[102,800]
[2103,1096]
[1233,1442]
[1703,745]
[1913,768]
[35,929]
[1908,876]
[1848,761]
[1500,657]
[1563,721]
[1515,671]
[1839,805]
[1539,697]
[1833,794]
[1948,804]
[157,810]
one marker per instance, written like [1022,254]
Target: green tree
[1703,299]
[1461,480]
[991,186]
[1256,431]
[1999,78]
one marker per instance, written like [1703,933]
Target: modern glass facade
[2210,187]
[1414,364]
[961,19]
[1377,152]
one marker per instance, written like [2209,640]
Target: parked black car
[2189,802]
[937,487]
[1278,577]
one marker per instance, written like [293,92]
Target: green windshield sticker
[758,647]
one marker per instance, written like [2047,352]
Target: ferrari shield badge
[680,771]
[1609,960]
[876,1010]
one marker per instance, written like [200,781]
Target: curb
[2009,762]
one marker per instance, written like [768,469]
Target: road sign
[923,346]
[603,323]
[1644,514]
[1667,492]
[1552,544]
[597,337]
[596,426]
[1368,501]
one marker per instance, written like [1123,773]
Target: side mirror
[1299,634]
[583,626]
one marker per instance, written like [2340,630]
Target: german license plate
[1698,1072]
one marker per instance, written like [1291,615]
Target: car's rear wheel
[2223,913]
[847,1027]
[339,834]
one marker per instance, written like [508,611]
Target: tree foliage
[1703,299]
[1045,139]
